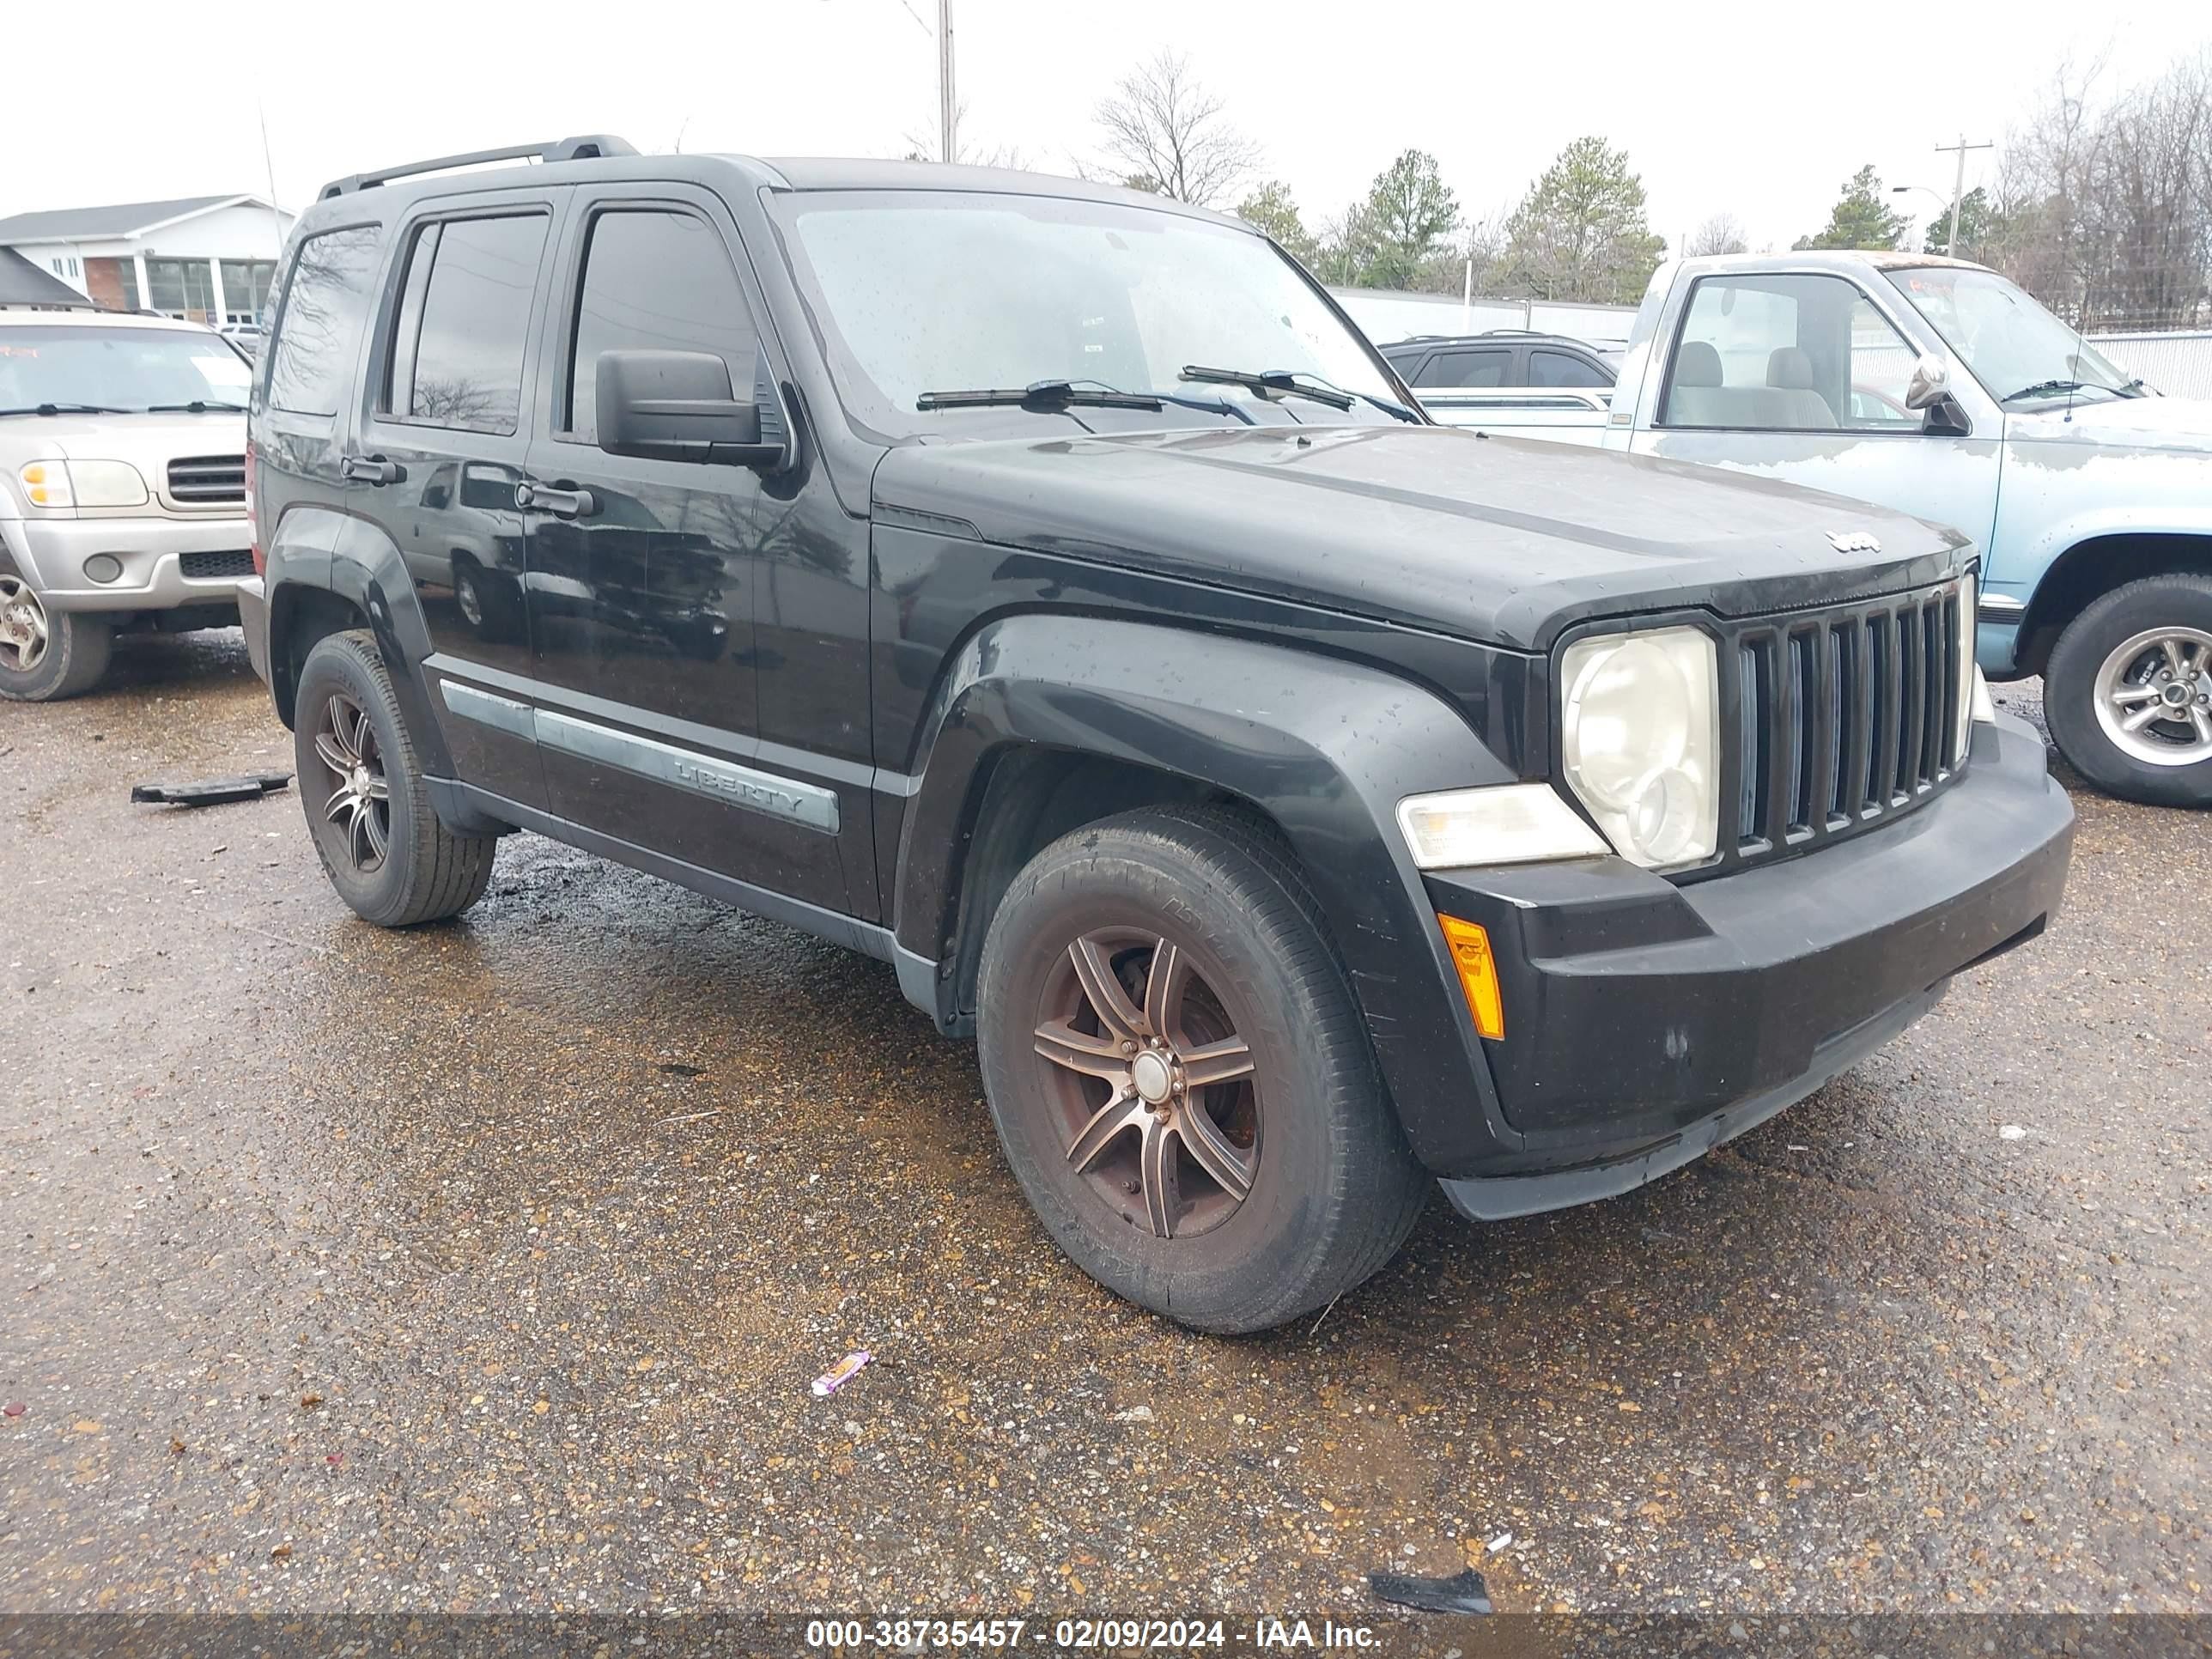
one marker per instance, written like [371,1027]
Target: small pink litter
[840,1374]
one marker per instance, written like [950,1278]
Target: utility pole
[948,114]
[1958,186]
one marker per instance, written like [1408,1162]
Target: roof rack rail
[588,147]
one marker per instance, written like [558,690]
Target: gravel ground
[486,1268]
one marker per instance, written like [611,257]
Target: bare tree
[1720,233]
[2104,207]
[922,147]
[1162,126]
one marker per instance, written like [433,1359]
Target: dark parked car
[1045,589]
[1502,357]
[1511,382]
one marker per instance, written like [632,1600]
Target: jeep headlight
[1639,729]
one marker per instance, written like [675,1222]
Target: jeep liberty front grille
[1843,719]
[205,480]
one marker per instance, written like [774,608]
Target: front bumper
[52,552]
[1647,1022]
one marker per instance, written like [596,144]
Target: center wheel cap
[1151,1075]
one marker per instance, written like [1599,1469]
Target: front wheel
[383,845]
[1181,1078]
[2128,691]
[46,655]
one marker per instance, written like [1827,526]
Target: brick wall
[103,281]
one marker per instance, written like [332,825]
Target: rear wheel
[1181,1078]
[382,844]
[2128,691]
[46,655]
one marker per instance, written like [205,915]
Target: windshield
[916,292]
[2014,347]
[127,369]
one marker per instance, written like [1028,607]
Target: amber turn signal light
[1478,974]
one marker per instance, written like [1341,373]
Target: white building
[207,258]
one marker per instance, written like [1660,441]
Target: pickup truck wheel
[382,844]
[1181,1078]
[2128,691]
[46,655]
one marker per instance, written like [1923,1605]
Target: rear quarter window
[318,323]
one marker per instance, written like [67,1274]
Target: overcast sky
[1760,110]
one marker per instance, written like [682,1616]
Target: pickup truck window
[915,293]
[1787,354]
[2016,348]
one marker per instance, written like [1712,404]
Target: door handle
[560,503]
[372,469]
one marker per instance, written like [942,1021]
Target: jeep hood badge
[1853,541]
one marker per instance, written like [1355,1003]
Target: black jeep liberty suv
[1047,590]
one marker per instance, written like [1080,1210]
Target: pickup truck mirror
[1930,383]
[1929,391]
[678,406]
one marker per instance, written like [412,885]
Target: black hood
[1506,541]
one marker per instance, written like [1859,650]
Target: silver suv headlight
[1639,728]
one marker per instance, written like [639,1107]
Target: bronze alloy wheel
[359,802]
[1155,1096]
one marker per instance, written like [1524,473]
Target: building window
[246,285]
[181,288]
[128,271]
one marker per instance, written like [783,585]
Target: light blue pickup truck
[1938,387]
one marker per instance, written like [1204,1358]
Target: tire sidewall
[1278,1238]
[2069,686]
[73,638]
[345,662]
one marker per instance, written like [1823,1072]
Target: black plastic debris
[215,792]
[1464,1592]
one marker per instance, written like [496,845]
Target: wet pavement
[487,1267]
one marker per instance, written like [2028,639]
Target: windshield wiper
[65,408]
[1276,380]
[2053,388]
[1046,395]
[198,406]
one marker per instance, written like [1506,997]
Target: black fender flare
[1326,748]
[335,552]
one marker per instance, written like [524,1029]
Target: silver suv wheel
[2154,697]
[23,630]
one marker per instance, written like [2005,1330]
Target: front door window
[1787,354]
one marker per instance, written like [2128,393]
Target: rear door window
[1488,367]
[1549,368]
[464,321]
[326,303]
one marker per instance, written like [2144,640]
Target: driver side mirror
[1928,392]
[678,406]
[1930,381]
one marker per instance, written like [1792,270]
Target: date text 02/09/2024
[1165,1635]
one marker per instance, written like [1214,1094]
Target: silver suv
[122,489]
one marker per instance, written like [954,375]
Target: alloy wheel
[23,630]
[359,804]
[1156,1091]
[2154,697]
